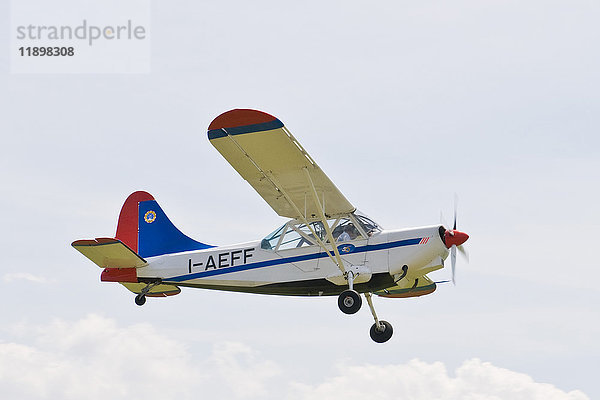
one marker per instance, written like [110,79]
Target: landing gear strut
[381,331]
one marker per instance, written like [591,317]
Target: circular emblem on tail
[150,216]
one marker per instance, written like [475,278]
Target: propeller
[454,240]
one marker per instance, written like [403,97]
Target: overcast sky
[402,104]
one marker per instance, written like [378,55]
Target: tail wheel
[383,333]
[349,301]
[140,299]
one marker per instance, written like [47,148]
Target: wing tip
[240,117]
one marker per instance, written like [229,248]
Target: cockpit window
[293,239]
[345,230]
[296,234]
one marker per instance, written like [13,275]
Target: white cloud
[94,358]
[242,370]
[23,276]
[416,380]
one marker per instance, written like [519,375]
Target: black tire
[349,301]
[382,336]
[140,299]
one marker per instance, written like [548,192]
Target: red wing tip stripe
[240,117]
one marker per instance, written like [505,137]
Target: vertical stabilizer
[146,229]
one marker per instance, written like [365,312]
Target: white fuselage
[376,262]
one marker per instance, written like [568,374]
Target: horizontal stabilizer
[157,291]
[109,253]
[409,288]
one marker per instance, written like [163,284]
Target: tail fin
[146,229]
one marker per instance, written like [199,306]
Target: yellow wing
[266,155]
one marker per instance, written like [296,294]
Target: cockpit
[296,234]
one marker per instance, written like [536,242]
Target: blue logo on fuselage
[346,248]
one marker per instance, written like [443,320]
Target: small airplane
[327,248]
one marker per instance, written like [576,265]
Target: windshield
[368,225]
[272,239]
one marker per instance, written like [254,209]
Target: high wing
[266,155]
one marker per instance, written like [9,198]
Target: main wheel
[349,301]
[382,334]
[140,299]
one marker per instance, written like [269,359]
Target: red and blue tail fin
[146,229]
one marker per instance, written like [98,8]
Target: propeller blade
[464,252]
[443,220]
[455,209]
[453,255]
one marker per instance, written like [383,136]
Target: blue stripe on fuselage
[270,263]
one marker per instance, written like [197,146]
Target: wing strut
[315,196]
[336,260]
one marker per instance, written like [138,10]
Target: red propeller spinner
[454,237]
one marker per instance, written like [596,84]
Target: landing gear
[349,301]
[381,331]
[140,299]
